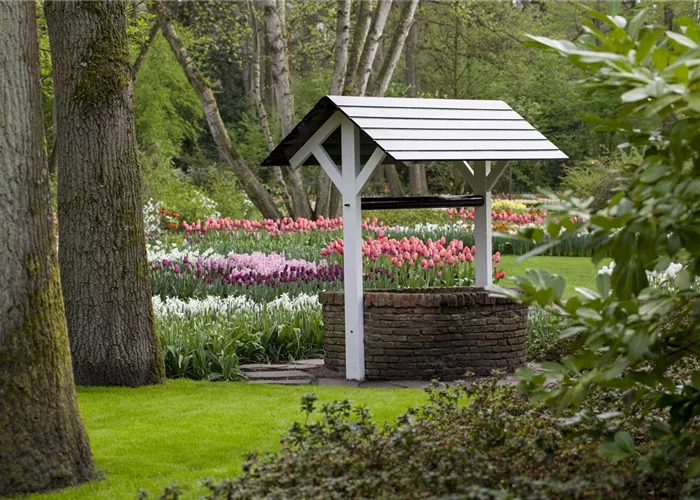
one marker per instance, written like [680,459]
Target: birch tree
[43,444]
[252,186]
[369,50]
[324,186]
[285,102]
[260,105]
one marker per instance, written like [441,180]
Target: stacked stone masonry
[429,333]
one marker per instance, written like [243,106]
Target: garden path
[313,372]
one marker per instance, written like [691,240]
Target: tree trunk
[144,49]
[104,268]
[370,47]
[393,179]
[260,106]
[252,186]
[363,20]
[324,185]
[668,16]
[43,444]
[397,42]
[285,103]
[412,78]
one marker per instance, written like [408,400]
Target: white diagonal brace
[497,170]
[369,168]
[319,137]
[328,165]
[466,171]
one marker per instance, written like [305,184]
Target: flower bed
[429,333]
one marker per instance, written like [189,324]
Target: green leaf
[681,39]
[625,442]
[693,468]
[647,43]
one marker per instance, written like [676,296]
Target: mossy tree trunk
[102,250]
[43,444]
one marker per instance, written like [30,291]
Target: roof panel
[403,123]
[478,155]
[424,130]
[400,102]
[478,145]
[455,135]
[424,114]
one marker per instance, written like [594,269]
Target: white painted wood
[401,102]
[482,226]
[465,171]
[369,168]
[323,132]
[402,123]
[397,145]
[352,243]
[455,135]
[497,170]
[431,114]
[328,166]
[477,155]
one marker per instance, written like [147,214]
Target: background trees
[43,444]
[453,49]
[104,271]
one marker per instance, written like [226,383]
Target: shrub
[596,178]
[544,341]
[473,441]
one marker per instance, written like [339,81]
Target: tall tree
[363,21]
[274,29]
[369,50]
[43,444]
[416,171]
[256,93]
[252,186]
[104,269]
[324,186]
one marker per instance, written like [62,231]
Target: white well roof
[423,130]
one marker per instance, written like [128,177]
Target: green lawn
[577,271]
[185,431]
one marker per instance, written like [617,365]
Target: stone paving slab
[259,367]
[281,374]
[282,382]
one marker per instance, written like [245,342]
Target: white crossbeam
[319,137]
[369,168]
[496,172]
[328,166]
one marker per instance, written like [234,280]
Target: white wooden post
[482,224]
[352,243]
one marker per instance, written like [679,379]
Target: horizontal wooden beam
[393,203]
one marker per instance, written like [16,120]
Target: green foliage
[167,110]
[467,442]
[208,345]
[173,191]
[637,326]
[597,178]
[544,341]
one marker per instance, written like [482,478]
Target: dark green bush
[476,441]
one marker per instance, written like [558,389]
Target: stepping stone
[259,367]
[280,375]
[281,382]
[310,362]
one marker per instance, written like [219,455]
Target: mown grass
[184,431]
[577,271]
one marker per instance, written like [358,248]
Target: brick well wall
[429,333]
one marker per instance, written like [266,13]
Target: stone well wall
[429,333]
